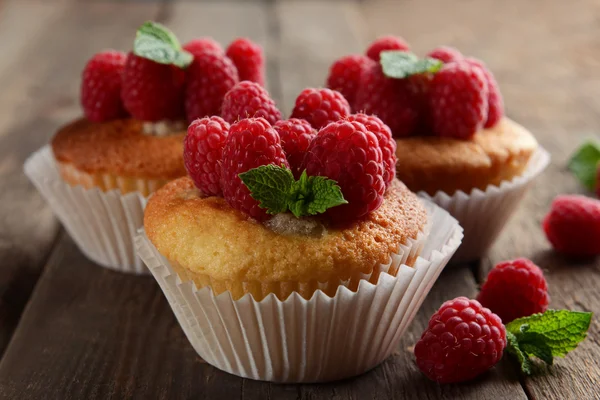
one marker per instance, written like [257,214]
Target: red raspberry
[349,153]
[101,86]
[320,106]
[296,135]
[462,341]
[202,153]
[495,101]
[386,143]
[249,100]
[573,225]
[201,45]
[249,59]
[251,143]
[392,100]
[209,77]
[344,75]
[445,54]
[458,101]
[385,43]
[152,91]
[527,287]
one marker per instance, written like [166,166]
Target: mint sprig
[402,64]
[545,336]
[277,191]
[585,163]
[156,42]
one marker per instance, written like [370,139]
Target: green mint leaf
[271,186]
[157,43]
[402,64]
[558,330]
[514,349]
[314,195]
[534,345]
[585,163]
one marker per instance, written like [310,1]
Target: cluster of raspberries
[456,102]
[321,137]
[115,84]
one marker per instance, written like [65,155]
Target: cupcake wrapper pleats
[102,224]
[298,340]
[483,214]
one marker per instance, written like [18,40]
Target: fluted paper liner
[298,340]
[483,214]
[102,224]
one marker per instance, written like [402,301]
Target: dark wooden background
[72,330]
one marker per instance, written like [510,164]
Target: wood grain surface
[84,332]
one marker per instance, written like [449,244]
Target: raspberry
[249,100]
[349,153]
[249,60]
[209,77]
[320,106]
[344,75]
[527,287]
[573,225]
[445,54]
[495,101]
[296,135]
[392,100]
[386,143]
[386,43]
[251,143]
[202,153]
[458,101]
[462,341]
[101,86]
[201,45]
[152,91]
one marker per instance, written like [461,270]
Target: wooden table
[72,330]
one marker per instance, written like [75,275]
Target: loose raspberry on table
[386,143]
[445,54]
[344,75]
[296,135]
[152,91]
[515,289]
[392,100]
[203,151]
[201,45]
[458,104]
[209,77]
[249,59]
[495,100]
[249,100]
[251,143]
[385,43]
[463,340]
[101,86]
[573,225]
[349,153]
[320,106]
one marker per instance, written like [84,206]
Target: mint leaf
[548,335]
[276,190]
[314,195]
[585,163]
[402,64]
[157,43]
[270,185]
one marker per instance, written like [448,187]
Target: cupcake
[266,268]
[99,169]
[454,144]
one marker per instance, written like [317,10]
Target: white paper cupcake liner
[298,340]
[483,214]
[102,224]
